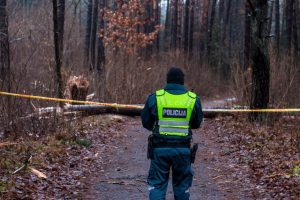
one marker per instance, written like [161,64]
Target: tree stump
[77,88]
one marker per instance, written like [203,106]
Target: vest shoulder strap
[160,92]
[192,95]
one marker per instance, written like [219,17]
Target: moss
[84,142]
[296,170]
[2,186]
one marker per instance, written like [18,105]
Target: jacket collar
[173,86]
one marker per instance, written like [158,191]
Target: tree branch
[251,5]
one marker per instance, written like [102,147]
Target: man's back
[170,114]
[149,113]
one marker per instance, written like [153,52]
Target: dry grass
[284,82]
[131,78]
[50,150]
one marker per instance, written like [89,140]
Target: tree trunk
[5,73]
[94,31]
[295,30]
[174,25]
[157,13]
[260,59]
[204,25]
[4,48]
[167,29]
[191,28]
[101,51]
[271,18]
[227,21]
[88,32]
[277,26]
[186,25]
[247,36]
[61,23]
[148,26]
[180,20]
[221,17]
[131,110]
[57,50]
[221,11]
[210,28]
[289,24]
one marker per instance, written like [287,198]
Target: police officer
[171,113]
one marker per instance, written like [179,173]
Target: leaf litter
[265,159]
[59,163]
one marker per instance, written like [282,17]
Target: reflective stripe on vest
[175,130]
[173,123]
[174,112]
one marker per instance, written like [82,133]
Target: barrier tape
[26,96]
[270,110]
[115,105]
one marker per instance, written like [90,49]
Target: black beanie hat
[175,75]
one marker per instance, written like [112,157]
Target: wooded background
[247,49]
[244,51]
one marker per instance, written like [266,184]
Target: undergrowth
[47,150]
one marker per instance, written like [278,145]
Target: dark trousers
[182,174]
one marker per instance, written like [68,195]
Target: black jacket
[149,113]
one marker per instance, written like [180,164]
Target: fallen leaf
[7,144]
[38,173]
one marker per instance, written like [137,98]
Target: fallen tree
[133,111]
[75,110]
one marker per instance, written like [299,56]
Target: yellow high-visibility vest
[174,112]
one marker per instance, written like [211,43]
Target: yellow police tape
[115,105]
[26,96]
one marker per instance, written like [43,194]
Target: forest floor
[125,172]
[104,157]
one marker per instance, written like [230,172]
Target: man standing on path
[171,113]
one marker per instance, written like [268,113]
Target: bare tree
[88,29]
[186,25]
[61,22]
[180,21]
[277,25]
[188,29]
[174,24]
[221,11]
[157,13]
[167,30]
[204,24]
[94,31]
[149,25]
[289,24]
[260,58]
[270,18]
[210,28]
[247,36]
[4,46]
[57,39]
[295,29]
[101,50]
[191,27]
[227,20]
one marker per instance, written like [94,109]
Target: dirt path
[124,175]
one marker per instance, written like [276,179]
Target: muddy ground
[125,171]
